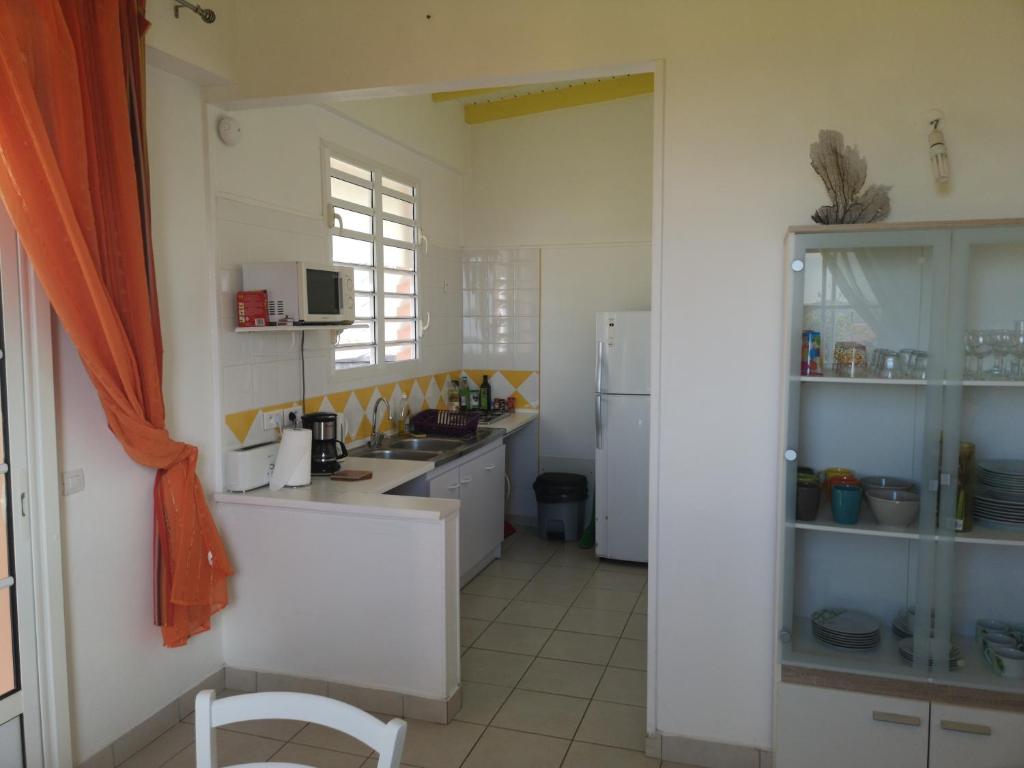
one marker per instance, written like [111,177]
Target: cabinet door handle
[960,727]
[490,467]
[895,718]
[467,481]
[453,487]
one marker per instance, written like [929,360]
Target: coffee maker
[325,453]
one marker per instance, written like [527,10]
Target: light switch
[72,481]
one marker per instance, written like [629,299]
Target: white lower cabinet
[965,737]
[818,727]
[479,483]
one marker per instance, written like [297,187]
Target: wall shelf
[863,380]
[298,328]
[867,525]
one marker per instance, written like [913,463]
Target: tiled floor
[553,676]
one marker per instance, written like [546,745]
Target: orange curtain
[73,178]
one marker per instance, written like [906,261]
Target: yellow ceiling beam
[561,98]
[468,94]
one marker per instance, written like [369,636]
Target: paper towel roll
[292,466]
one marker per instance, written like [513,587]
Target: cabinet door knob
[895,718]
[960,727]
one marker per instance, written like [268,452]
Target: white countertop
[363,496]
[368,497]
[514,421]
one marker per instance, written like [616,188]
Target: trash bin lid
[566,480]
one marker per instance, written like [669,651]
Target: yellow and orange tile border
[354,405]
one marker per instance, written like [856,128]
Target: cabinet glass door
[980,570]
[869,406]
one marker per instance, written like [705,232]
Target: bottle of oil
[485,395]
[965,489]
[464,394]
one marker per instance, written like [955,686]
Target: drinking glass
[1017,349]
[1002,346]
[977,345]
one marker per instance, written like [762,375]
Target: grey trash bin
[561,504]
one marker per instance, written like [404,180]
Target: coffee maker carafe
[325,453]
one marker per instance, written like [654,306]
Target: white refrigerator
[622,410]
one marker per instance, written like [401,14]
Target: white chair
[388,739]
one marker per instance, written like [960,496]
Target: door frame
[35,493]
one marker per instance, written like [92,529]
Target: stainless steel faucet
[377,436]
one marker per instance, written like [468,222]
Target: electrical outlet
[271,420]
[295,411]
[72,481]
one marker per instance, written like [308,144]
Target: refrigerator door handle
[597,419]
[599,367]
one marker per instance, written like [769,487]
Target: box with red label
[252,309]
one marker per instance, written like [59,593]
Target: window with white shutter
[374,225]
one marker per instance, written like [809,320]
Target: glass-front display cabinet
[902,453]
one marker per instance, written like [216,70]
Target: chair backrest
[386,738]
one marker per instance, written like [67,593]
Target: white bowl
[896,508]
[885,483]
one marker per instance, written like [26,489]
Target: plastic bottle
[404,415]
[453,395]
[464,394]
[485,395]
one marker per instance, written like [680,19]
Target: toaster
[249,468]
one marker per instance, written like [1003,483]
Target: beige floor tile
[163,748]
[281,730]
[641,604]
[606,600]
[512,569]
[315,757]
[326,738]
[592,622]
[583,755]
[572,556]
[636,627]
[630,654]
[631,568]
[623,686]
[546,592]
[512,638]
[493,586]
[431,745]
[571,646]
[538,552]
[614,725]
[232,748]
[480,607]
[544,713]
[623,582]
[493,667]
[532,614]
[567,678]
[499,748]
[562,577]
[470,630]
[481,702]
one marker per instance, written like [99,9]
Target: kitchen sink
[396,453]
[435,444]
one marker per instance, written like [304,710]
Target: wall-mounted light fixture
[937,152]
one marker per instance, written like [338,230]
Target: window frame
[378,172]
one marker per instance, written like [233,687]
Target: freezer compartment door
[623,353]
[622,477]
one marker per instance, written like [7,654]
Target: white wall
[269,207]
[120,672]
[436,130]
[747,85]
[579,175]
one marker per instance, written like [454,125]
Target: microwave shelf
[298,328]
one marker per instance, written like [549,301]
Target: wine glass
[1017,339]
[1002,344]
[977,345]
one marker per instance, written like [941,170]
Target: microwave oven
[304,294]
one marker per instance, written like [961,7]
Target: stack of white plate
[999,495]
[903,624]
[844,628]
[907,654]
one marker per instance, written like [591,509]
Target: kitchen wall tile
[527,303]
[530,255]
[526,357]
[472,329]
[527,275]
[234,347]
[502,276]
[527,330]
[237,388]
